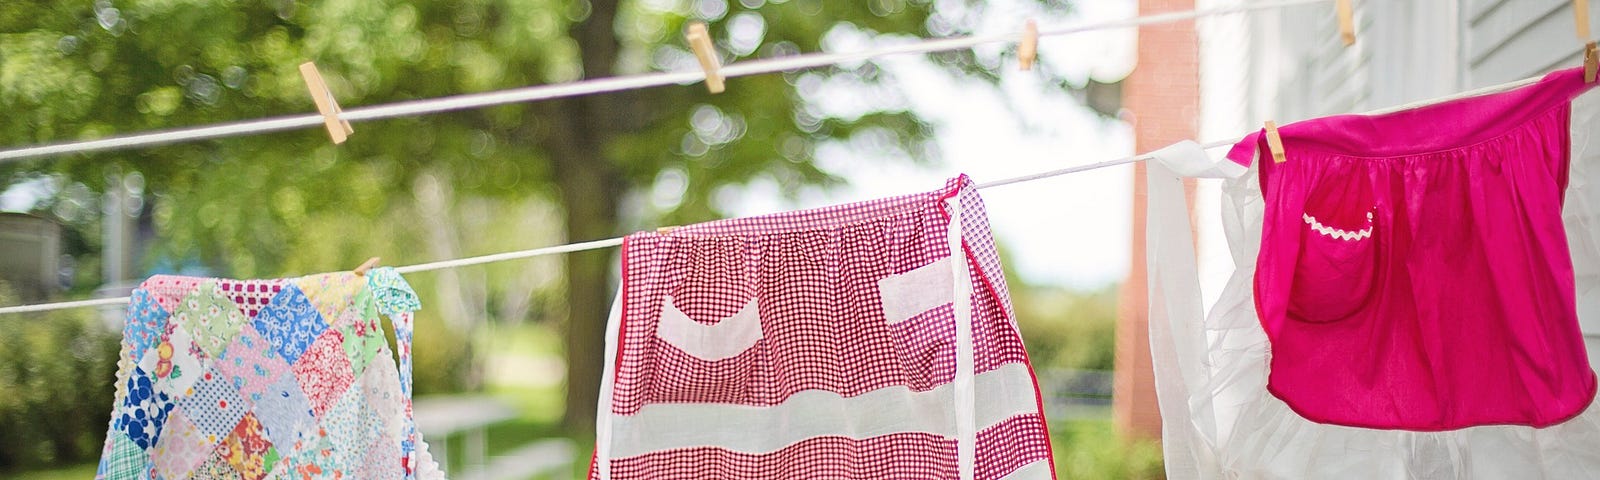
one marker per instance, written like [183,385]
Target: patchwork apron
[255,379]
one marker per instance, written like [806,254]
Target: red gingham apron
[841,342]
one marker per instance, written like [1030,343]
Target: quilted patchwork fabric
[182,448]
[141,414]
[147,324]
[291,323]
[211,318]
[250,364]
[266,379]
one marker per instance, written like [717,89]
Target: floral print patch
[248,450]
[210,318]
[145,327]
[182,448]
[291,323]
[250,364]
[324,372]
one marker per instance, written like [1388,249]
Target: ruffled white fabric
[1219,421]
[427,467]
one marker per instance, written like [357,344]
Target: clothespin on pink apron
[1275,143]
[338,128]
[700,43]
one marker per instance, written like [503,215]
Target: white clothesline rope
[612,242]
[597,86]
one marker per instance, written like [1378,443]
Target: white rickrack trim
[1336,233]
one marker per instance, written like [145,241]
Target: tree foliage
[468,182]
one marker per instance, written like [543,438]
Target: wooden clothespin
[1028,48]
[337,128]
[1275,143]
[1591,62]
[1347,22]
[1580,12]
[700,43]
[367,265]
[666,230]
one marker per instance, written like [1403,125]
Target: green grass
[1091,449]
[1084,449]
[79,472]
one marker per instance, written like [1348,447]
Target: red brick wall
[1162,97]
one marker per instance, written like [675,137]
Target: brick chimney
[1162,98]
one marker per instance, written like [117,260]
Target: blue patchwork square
[146,324]
[143,411]
[290,323]
[215,407]
[285,411]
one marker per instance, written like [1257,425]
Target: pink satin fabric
[1414,271]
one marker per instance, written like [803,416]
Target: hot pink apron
[1414,271]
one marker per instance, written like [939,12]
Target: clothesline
[601,85]
[612,242]
[580,246]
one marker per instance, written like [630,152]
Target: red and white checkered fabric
[822,345]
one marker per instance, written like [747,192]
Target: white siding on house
[1292,65]
[1508,40]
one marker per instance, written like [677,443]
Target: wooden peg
[1275,143]
[1347,22]
[666,230]
[367,265]
[337,128]
[1591,62]
[1580,12]
[1028,48]
[700,43]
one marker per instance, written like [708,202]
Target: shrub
[57,373]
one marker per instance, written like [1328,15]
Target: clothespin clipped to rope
[666,230]
[1580,12]
[1591,62]
[338,128]
[367,265]
[1028,48]
[1347,22]
[700,43]
[1275,143]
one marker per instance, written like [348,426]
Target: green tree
[291,203]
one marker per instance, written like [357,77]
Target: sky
[1071,230]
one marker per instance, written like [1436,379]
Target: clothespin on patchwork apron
[700,43]
[1028,47]
[338,128]
[367,265]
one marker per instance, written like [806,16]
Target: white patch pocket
[907,295]
[724,339]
